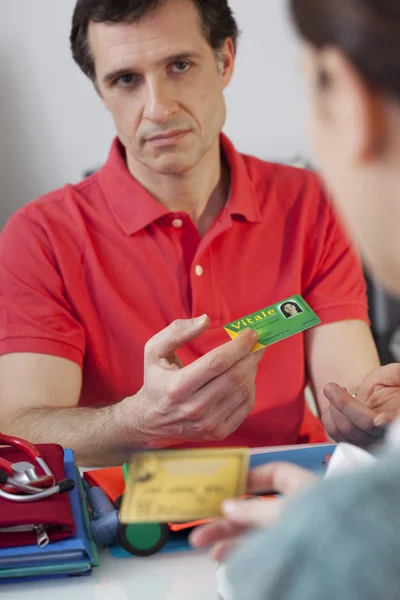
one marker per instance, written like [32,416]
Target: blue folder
[67,557]
[309,457]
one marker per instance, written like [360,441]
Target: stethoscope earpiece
[66,485]
[20,481]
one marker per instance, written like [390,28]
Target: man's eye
[180,67]
[127,80]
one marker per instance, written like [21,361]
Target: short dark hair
[216,16]
[366,31]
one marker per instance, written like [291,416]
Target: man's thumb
[170,339]
[334,393]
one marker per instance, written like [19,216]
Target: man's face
[163,85]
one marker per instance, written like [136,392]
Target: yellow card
[176,486]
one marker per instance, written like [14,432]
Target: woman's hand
[240,516]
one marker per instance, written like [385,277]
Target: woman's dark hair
[216,17]
[366,31]
[287,315]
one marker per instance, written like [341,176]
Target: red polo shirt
[92,271]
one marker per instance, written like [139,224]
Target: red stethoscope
[19,482]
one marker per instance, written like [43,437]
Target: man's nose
[160,102]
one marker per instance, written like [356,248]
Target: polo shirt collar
[242,199]
[132,205]
[134,208]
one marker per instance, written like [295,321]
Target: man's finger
[170,339]
[221,421]
[331,428]
[220,393]
[330,425]
[350,431]
[238,416]
[350,407]
[283,478]
[217,362]
[232,409]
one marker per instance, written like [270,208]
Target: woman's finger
[253,513]
[220,552]
[279,477]
[212,533]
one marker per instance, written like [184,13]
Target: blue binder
[309,457]
[63,558]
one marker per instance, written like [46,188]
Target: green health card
[277,322]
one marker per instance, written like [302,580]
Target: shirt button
[199,270]
[177,223]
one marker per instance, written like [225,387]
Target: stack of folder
[73,556]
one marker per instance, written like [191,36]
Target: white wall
[53,127]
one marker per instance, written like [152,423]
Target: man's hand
[204,401]
[362,419]
[240,516]
[380,391]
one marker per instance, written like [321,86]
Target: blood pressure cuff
[41,521]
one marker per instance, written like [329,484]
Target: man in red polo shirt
[177,224]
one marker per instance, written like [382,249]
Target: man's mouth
[168,138]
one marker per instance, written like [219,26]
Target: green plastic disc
[143,539]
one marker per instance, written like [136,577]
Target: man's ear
[355,109]
[227,61]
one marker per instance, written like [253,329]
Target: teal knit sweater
[339,541]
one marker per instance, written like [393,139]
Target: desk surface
[164,577]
